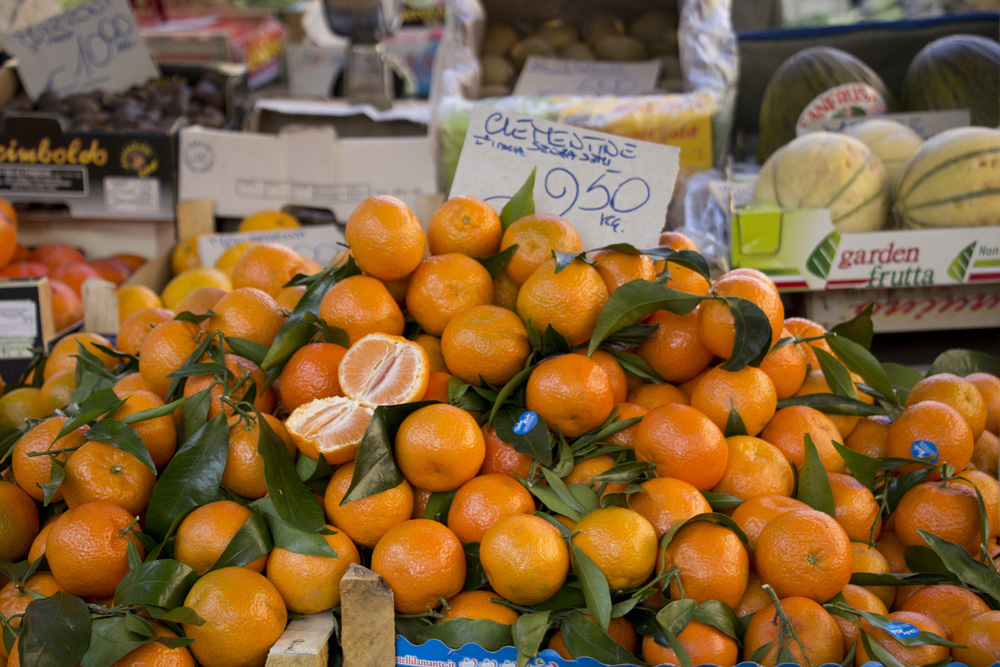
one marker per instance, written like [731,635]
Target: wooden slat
[369,632]
[304,643]
[100,306]
[195,217]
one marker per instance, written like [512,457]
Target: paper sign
[556,76]
[320,243]
[612,189]
[924,123]
[25,323]
[92,46]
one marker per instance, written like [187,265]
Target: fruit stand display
[557,451]
[466,437]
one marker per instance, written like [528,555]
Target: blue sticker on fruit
[525,422]
[902,630]
[924,450]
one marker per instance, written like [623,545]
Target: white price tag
[18,319]
[612,189]
[556,76]
[91,46]
[320,243]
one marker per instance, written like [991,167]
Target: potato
[620,48]
[530,46]
[558,34]
[496,70]
[499,39]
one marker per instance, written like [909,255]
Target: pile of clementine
[655,466]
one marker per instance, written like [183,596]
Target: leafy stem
[786,632]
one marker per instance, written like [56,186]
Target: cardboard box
[309,167]
[252,38]
[98,175]
[897,310]
[801,250]
[97,238]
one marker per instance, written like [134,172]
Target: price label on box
[612,189]
[25,323]
[92,46]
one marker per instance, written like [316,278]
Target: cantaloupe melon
[831,171]
[952,181]
[798,87]
[893,143]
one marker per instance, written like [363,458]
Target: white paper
[414,111]
[91,46]
[320,243]
[612,189]
[924,123]
[18,319]
[558,76]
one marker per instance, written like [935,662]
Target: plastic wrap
[709,64]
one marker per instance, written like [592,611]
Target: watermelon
[952,181]
[957,72]
[795,87]
[825,170]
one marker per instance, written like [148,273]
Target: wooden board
[304,642]
[369,630]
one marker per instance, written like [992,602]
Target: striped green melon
[952,181]
[825,170]
[799,81]
[893,143]
[957,72]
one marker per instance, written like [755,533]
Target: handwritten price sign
[613,189]
[92,46]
